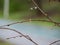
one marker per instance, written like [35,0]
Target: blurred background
[17,10]
[21,9]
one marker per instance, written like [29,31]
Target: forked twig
[27,37]
[45,14]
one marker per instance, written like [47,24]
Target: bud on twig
[35,8]
[31,8]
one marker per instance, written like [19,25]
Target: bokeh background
[20,9]
[25,9]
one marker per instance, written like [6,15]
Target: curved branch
[54,42]
[45,14]
[30,21]
[27,37]
[15,23]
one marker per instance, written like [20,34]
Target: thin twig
[45,14]
[30,21]
[54,42]
[27,37]
[13,37]
[14,23]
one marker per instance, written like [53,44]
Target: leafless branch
[54,42]
[14,23]
[45,14]
[29,20]
[13,37]
[26,36]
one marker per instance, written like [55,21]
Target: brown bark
[59,0]
[38,2]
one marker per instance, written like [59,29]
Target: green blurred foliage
[19,5]
[2,42]
[21,8]
[1,4]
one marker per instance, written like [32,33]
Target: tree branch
[13,37]
[27,37]
[45,14]
[58,24]
[15,23]
[54,42]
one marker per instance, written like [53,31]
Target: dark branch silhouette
[29,20]
[26,36]
[54,42]
[45,14]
